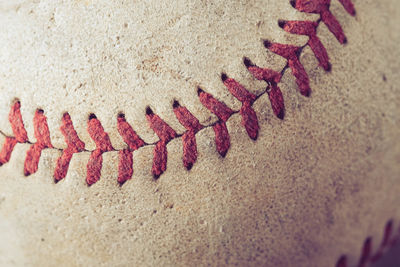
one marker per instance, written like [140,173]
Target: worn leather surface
[311,188]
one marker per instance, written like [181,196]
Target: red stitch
[342,262]
[272,78]
[125,170]
[238,90]
[308,28]
[17,125]
[290,52]
[160,159]
[74,145]
[99,136]
[94,167]
[7,149]
[134,142]
[222,138]
[42,135]
[395,239]
[249,117]
[366,253]
[192,124]
[333,25]
[130,137]
[166,134]
[63,164]
[348,5]
[249,120]
[162,129]
[189,149]
[222,111]
[276,99]
[322,7]
[385,241]
[103,144]
[19,131]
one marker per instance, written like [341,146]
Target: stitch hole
[121,115]
[247,62]
[224,77]
[92,116]
[40,111]
[293,3]
[329,69]
[176,104]
[149,111]
[189,166]
[282,23]
[267,44]
[16,101]
[199,91]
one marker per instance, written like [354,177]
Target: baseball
[199,133]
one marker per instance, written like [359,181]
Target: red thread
[160,159]
[94,167]
[164,131]
[103,144]
[7,149]
[342,262]
[42,135]
[291,52]
[134,142]
[309,28]
[192,125]
[385,241]
[365,253]
[262,74]
[74,145]
[20,135]
[222,138]
[130,137]
[249,117]
[322,7]
[223,112]
[125,169]
[17,125]
[166,134]
[276,99]
[348,5]
[272,78]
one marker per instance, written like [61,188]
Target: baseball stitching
[192,125]
[165,133]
